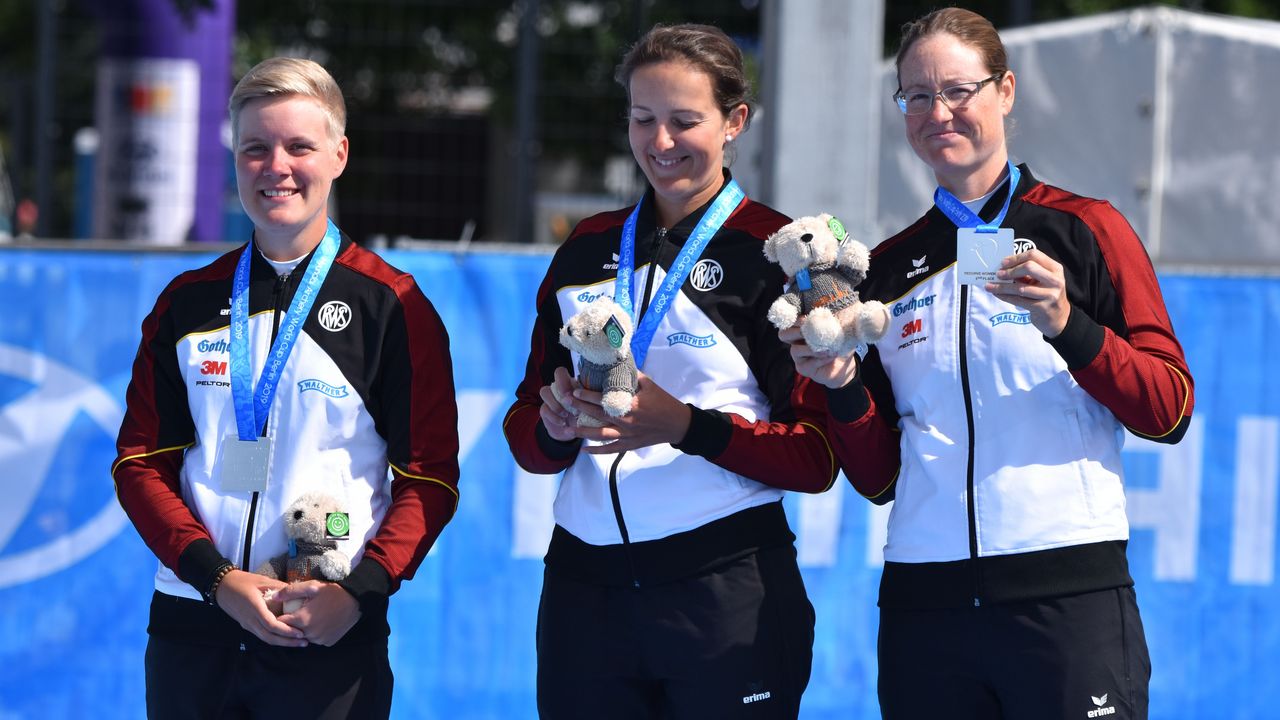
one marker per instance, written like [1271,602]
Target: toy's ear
[771,249]
[614,331]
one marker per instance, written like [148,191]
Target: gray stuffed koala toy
[313,523]
[825,266]
[601,335]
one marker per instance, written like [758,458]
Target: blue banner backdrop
[75,579]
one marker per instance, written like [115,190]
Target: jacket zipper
[281,282]
[659,235]
[970,500]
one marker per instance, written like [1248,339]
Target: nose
[277,162]
[939,111]
[662,139]
[807,237]
[297,514]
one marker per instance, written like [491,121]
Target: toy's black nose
[297,514]
[806,237]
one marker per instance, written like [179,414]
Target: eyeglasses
[954,97]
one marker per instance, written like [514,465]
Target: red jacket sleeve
[863,424]
[1137,371]
[531,446]
[156,431]
[419,419]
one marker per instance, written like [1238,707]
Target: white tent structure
[1169,115]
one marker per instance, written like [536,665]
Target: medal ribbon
[966,218]
[252,404]
[730,196]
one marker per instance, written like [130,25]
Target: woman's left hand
[327,611]
[1035,282]
[656,417]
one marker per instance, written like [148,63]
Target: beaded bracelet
[211,594]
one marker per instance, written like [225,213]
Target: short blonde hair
[290,76]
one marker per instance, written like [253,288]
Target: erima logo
[1101,711]
[1022,245]
[1017,318]
[698,341]
[706,275]
[51,413]
[323,387]
[919,265]
[611,265]
[755,697]
[334,315]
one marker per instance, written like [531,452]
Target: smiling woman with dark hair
[671,586]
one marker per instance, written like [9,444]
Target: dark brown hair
[704,47]
[969,27]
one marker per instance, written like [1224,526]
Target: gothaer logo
[59,428]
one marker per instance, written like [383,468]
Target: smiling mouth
[279,193]
[667,163]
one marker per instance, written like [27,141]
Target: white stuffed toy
[601,335]
[825,265]
[313,523]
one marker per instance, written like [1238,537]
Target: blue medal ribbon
[966,218]
[252,404]
[730,196]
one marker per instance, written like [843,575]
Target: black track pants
[736,642]
[1070,658]
[195,682]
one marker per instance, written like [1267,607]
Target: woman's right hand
[560,418]
[833,371]
[240,595]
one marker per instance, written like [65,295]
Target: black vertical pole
[640,16]
[526,122]
[1020,13]
[46,49]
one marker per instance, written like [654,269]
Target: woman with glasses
[1029,333]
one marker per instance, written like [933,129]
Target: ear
[341,151]
[1007,86]
[771,250]
[737,121]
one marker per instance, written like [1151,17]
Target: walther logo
[323,387]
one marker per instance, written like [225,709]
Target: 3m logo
[213,367]
[912,327]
